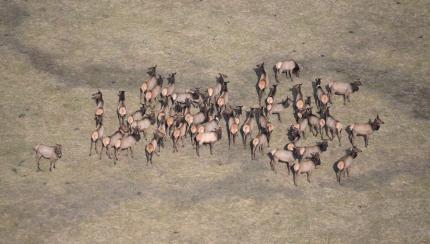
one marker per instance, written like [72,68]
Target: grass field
[54,54]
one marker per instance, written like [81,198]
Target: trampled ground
[54,54]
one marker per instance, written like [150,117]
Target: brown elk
[306,167]
[343,89]
[247,126]
[52,153]
[168,91]
[263,81]
[343,165]
[207,138]
[151,95]
[150,83]
[287,67]
[97,135]
[363,129]
[259,142]
[121,109]
[98,98]
[322,99]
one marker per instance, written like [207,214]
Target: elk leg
[147,158]
[295,175]
[288,168]
[210,147]
[182,141]
[38,162]
[308,177]
[344,100]
[366,140]
[303,133]
[131,152]
[347,172]
[91,147]
[197,149]
[101,150]
[347,97]
[50,165]
[289,73]
[272,165]
[338,137]
[279,117]
[95,145]
[338,177]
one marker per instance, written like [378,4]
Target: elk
[343,164]
[306,166]
[210,126]
[315,124]
[263,122]
[321,97]
[247,126]
[333,125]
[144,124]
[343,89]
[217,89]
[151,148]
[207,138]
[97,134]
[293,133]
[98,98]
[52,153]
[181,97]
[306,152]
[126,143]
[109,141]
[167,92]
[301,126]
[232,118]
[137,115]
[222,100]
[271,96]
[287,67]
[179,132]
[263,81]
[121,109]
[151,95]
[258,142]
[278,108]
[150,83]
[363,129]
[286,156]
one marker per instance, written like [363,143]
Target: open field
[54,54]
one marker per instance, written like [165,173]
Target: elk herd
[197,114]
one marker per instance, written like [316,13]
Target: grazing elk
[343,164]
[97,135]
[306,152]
[343,89]
[363,129]
[150,83]
[121,109]
[207,138]
[263,81]
[98,97]
[52,153]
[287,67]
[306,167]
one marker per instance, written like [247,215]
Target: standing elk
[322,99]
[151,95]
[344,164]
[167,92]
[98,97]
[333,126]
[259,142]
[126,143]
[52,153]
[306,167]
[97,135]
[263,81]
[121,109]
[232,119]
[286,155]
[144,124]
[247,126]
[151,148]
[137,115]
[179,132]
[306,152]
[287,67]
[343,89]
[278,108]
[363,129]
[271,96]
[207,138]
[150,83]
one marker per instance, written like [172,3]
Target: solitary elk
[150,83]
[207,138]
[343,89]
[98,97]
[343,164]
[363,129]
[121,109]
[306,167]
[287,67]
[263,81]
[53,153]
[97,135]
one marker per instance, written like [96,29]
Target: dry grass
[54,54]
